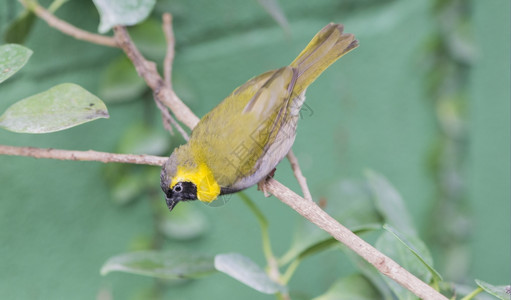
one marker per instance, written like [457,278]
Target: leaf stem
[55,5]
[472,294]
[263,223]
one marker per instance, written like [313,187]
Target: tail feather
[325,48]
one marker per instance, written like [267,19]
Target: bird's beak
[171,203]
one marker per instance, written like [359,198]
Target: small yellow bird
[239,142]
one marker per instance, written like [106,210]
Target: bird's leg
[261,185]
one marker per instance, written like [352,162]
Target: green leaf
[371,274]
[12,58]
[352,203]
[354,287]
[246,271]
[305,236]
[329,242]
[122,12]
[61,107]
[502,291]
[167,265]
[396,250]
[390,204]
[418,248]
[120,82]
[19,29]
[140,138]
[273,8]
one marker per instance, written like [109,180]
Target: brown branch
[312,212]
[67,28]
[299,175]
[148,71]
[169,56]
[89,155]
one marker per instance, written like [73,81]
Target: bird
[240,142]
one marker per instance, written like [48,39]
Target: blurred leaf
[353,205]
[184,223]
[12,58]
[246,271]
[63,106]
[371,273]
[502,292]
[140,138]
[120,82]
[131,182]
[121,12]
[329,242]
[141,243]
[167,265]
[149,38]
[396,250]
[418,248]
[273,8]
[19,29]
[390,204]
[354,287]
[305,235]
[128,187]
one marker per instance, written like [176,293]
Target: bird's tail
[328,45]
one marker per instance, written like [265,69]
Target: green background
[371,110]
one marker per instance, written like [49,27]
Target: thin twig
[169,121]
[148,71]
[169,55]
[299,175]
[89,155]
[383,263]
[165,116]
[67,28]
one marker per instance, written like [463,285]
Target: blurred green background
[424,101]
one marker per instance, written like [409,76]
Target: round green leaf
[167,265]
[12,58]
[246,271]
[61,107]
[122,12]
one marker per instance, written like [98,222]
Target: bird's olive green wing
[235,134]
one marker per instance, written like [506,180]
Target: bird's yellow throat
[207,187]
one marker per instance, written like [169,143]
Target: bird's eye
[178,188]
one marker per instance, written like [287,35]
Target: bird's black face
[181,191]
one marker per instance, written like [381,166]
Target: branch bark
[293,161]
[147,70]
[312,212]
[89,155]
[67,28]
[169,55]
